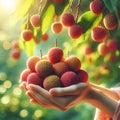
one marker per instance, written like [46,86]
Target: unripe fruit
[27,35]
[51,82]
[45,37]
[88,50]
[82,75]
[35,20]
[97,6]
[31,62]
[56,27]
[102,49]
[69,78]
[34,78]
[74,63]
[44,68]
[67,19]
[24,74]
[15,53]
[99,34]
[55,55]
[60,68]
[110,21]
[75,31]
[112,45]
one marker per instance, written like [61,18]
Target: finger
[23,85]
[70,90]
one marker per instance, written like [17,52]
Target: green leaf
[47,18]
[111,5]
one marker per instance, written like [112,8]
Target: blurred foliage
[14,104]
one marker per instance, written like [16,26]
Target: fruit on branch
[102,49]
[31,62]
[55,55]
[44,68]
[56,27]
[73,62]
[97,6]
[69,78]
[60,68]
[110,21]
[88,50]
[45,37]
[51,82]
[27,34]
[75,31]
[35,20]
[34,78]
[15,53]
[99,34]
[67,19]
[82,75]
[112,45]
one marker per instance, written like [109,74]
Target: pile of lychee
[53,70]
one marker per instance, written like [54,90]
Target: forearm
[102,101]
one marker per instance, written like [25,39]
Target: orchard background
[14,50]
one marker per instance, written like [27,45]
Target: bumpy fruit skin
[102,49]
[24,74]
[56,27]
[112,45]
[31,62]
[55,55]
[15,53]
[82,75]
[97,6]
[110,21]
[60,68]
[69,78]
[88,50]
[34,78]
[99,34]
[51,82]
[67,19]
[35,20]
[45,37]
[74,63]
[75,31]
[27,35]
[44,68]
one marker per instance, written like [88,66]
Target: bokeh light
[5,99]
[23,113]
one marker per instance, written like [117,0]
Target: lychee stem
[40,54]
[71,6]
[28,22]
[78,11]
[56,43]
[40,8]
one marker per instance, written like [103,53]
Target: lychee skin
[74,63]
[55,55]
[99,34]
[31,62]
[97,6]
[60,68]
[75,31]
[35,20]
[69,78]
[44,68]
[34,78]
[110,21]
[51,82]
[67,19]
[82,75]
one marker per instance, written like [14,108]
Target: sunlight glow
[9,5]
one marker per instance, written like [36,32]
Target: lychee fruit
[34,78]
[44,68]
[75,31]
[73,62]
[67,19]
[51,82]
[60,68]
[45,37]
[69,78]
[31,62]
[15,53]
[82,75]
[99,34]
[97,6]
[110,21]
[55,55]
[88,50]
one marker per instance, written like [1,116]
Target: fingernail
[52,92]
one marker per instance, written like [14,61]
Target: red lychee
[15,53]
[69,78]
[35,20]
[88,50]
[45,37]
